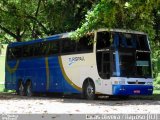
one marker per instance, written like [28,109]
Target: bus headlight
[121,82]
[149,83]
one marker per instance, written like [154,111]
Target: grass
[156,92]
[1,88]
[156,88]
[2,69]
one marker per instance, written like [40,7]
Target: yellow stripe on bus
[12,70]
[66,77]
[47,72]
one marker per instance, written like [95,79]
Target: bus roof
[49,38]
[65,35]
[121,30]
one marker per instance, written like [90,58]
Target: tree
[13,17]
[127,14]
[28,19]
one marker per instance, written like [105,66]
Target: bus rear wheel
[29,91]
[89,91]
[21,89]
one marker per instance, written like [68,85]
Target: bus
[113,62]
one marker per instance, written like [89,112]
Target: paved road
[12,103]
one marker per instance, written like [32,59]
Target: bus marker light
[150,89]
[115,82]
[149,83]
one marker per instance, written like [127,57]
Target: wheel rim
[29,90]
[90,91]
[21,89]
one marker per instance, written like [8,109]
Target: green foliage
[136,15]
[1,88]
[28,19]
[102,15]
[158,64]
[157,82]
[158,79]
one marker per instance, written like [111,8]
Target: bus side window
[31,50]
[44,46]
[85,43]
[19,52]
[10,54]
[103,40]
[122,40]
[129,40]
[68,46]
[27,51]
[37,50]
[14,53]
[142,41]
[134,43]
[54,47]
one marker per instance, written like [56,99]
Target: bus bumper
[132,89]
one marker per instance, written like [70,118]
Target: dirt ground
[11,103]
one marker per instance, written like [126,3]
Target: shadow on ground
[102,100]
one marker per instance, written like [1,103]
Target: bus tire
[29,91]
[89,90]
[21,89]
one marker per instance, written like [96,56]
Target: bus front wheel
[89,91]
[29,92]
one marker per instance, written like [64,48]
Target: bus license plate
[137,91]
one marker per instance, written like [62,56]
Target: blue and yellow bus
[103,62]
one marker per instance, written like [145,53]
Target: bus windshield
[135,65]
[131,54]
[127,64]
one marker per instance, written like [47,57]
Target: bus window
[54,47]
[127,64]
[44,48]
[68,46]
[37,50]
[143,64]
[14,53]
[103,40]
[31,50]
[103,64]
[142,42]
[129,40]
[11,54]
[27,51]
[122,42]
[85,43]
[126,40]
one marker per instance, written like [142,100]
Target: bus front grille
[136,82]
